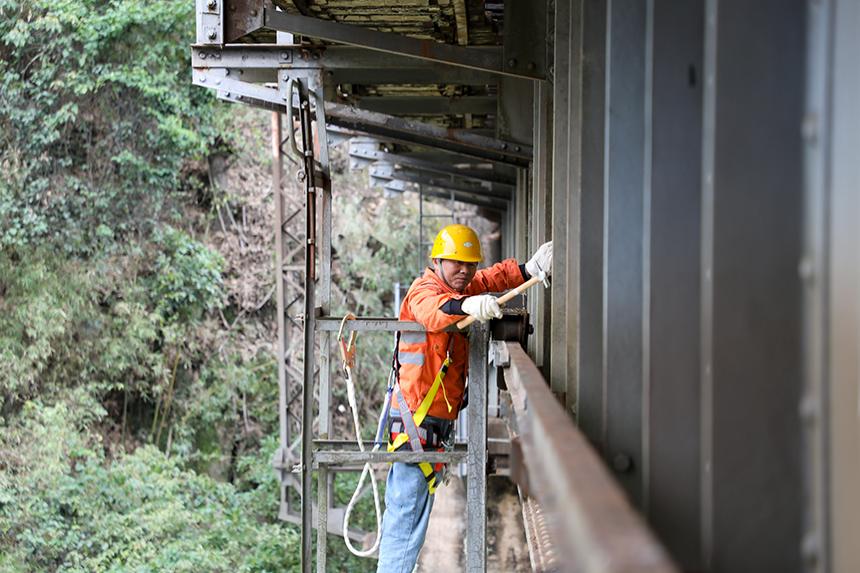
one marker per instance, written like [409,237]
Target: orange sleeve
[425,304]
[497,278]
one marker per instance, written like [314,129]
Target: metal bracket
[498,354]
[210,22]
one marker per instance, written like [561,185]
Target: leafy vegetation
[138,388]
[98,119]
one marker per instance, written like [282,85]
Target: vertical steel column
[814,406]
[421,254]
[709,118]
[541,221]
[623,218]
[671,302]
[752,292]
[575,367]
[324,485]
[844,289]
[587,346]
[476,457]
[560,331]
[309,325]
[281,346]
[521,206]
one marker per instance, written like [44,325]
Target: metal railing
[593,527]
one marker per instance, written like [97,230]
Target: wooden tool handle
[503,299]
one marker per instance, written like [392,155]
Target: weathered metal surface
[365,324]
[426,105]
[542,552]
[476,457]
[480,189]
[241,17]
[346,457]
[325,488]
[541,216]
[400,129]
[588,363]
[564,228]
[449,166]
[593,525]
[210,26]
[623,220]
[752,359]
[525,36]
[309,334]
[671,402]
[487,200]
[390,42]
[343,64]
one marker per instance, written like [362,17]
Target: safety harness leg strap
[410,425]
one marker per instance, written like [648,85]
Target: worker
[432,373]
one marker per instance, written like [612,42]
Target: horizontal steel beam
[382,456]
[409,131]
[427,105]
[593,525]
[448,168]
[483,189]
[479,59]
[481,199]
[371,324]
[343,64]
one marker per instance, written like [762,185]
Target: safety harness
[419,430]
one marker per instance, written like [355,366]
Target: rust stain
[426,48]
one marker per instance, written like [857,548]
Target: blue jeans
[404,524]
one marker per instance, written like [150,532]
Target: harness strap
[411,434]
[413,421]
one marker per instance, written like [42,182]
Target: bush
[186,280]
[63,509]
[98,118]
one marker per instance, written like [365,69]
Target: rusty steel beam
[594,527]
[408,131]
[426,105]
[487,60]
[449,167]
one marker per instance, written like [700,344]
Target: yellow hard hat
[457,243]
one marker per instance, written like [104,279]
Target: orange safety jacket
[421,354]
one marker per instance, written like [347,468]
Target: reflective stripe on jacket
[421,353]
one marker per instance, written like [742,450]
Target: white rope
[350,393]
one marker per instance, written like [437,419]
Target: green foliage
[62,508]
[187,277]
[98,120]
[63,324]
[374,240]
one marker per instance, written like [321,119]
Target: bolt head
[622,463]
[212,34]
[212,4]
[512,63]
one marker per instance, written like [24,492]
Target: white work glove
[482,306]
[541,261]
